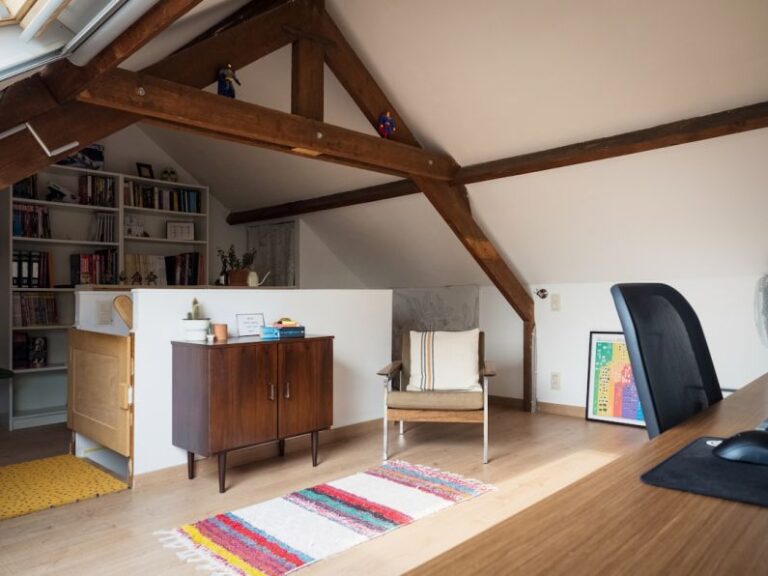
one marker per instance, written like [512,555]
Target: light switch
[554,302]
[554,381]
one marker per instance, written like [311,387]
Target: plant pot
[238,277]
[195,330]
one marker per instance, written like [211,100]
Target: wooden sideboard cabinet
[250,391]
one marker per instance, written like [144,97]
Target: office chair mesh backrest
[670,359]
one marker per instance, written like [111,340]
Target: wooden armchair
[443,377]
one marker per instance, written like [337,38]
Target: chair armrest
[391,369]
[488,370]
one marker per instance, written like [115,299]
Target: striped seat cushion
[444,361]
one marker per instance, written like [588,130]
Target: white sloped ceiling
[490,79]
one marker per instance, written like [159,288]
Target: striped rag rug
[285,534]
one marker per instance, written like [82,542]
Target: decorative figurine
[151,279]
[136,278]
[227,80]
[387,125]
[169,175]
[123,278]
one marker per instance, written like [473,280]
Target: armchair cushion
[442,400]
[444,361]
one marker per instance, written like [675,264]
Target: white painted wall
[503,343]
[318,266]
[725,307]
[361,347]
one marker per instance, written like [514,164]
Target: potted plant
[195,327]
[236,269]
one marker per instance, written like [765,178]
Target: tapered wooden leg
[315,441]
[222,471]
[281,447]
[190,465]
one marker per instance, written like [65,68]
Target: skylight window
[34,33]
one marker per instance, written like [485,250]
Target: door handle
[271,392]
[287,394]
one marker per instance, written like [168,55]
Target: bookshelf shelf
[43,289]
[163,240]
[22,257]
[42,327]
[65,205]
[25,240]
[49,368]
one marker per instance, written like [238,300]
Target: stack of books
[32,269]
[34,309]
[31,221]
[96,191]
[283,328]
[97,268]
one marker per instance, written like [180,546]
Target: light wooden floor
[531,457]
[33,443]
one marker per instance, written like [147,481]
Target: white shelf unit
[38,396]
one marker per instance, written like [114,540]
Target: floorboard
[33,443]
[532,456]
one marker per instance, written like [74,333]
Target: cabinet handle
[287,394]
[272,392]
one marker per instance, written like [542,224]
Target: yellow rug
[50,482]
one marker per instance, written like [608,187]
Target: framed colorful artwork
[611,391]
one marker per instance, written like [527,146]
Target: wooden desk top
[611,523]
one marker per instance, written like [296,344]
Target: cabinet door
[243,396]
[306,386]
[98,403]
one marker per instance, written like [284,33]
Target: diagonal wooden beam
[254,125]
[449,201]
[359,83]
[733,121]
[20,154]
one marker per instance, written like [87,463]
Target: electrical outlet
[554,302]
[554,381]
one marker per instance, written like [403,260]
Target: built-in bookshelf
[70,226]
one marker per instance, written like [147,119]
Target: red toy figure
[387,125]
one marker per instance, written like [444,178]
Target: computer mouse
[750,446]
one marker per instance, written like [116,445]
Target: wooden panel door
[306,386]
[243,396]
[99,388]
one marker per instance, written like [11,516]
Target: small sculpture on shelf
[226,82]
[151,279]
[136,278]
[123,277]
[169,175]
[387,125]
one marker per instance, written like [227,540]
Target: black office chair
[673,369]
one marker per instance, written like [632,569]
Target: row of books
[96,190]
[34,309]
[26,188]
[102,227]
[101,267]
[187,269]
[174,199]
[32,269]
[31,221]
[29,351]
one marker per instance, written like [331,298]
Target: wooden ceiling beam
[307,72]
[450,202]
[252,124]
[733,121]
[359,83]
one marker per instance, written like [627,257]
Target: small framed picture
[250,324]
[180,230]
[611,391]
[145,170]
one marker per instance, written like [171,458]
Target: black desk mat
[695,469]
